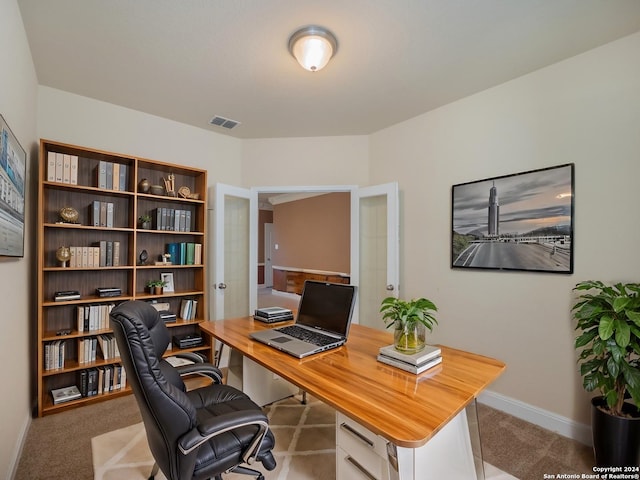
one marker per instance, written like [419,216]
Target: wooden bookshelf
[79,189]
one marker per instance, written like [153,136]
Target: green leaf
[623,333]
[620,303]
[612,398]
[585,338]
[591,382]
[634,316]
[605,330]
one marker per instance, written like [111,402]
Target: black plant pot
[616,440]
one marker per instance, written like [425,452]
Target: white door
[375,249]
[235,267]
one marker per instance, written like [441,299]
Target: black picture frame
[13,163]
[523,222]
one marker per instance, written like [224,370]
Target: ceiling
[192,59]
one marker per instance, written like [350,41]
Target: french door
[375,248]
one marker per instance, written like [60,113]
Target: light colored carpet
[305,447]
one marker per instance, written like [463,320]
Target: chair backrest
[142,338]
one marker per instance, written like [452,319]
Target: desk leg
[449,454]
[474,434]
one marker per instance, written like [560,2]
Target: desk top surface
[404,408]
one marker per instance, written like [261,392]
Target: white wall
[306,161]
[18,94]
[583,110]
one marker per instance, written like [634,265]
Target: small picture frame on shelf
[167,277]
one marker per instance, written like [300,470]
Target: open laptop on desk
[322,322]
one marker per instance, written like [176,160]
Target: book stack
[66,295]
[416,363]
[108,291]
[273,314]
[65,394]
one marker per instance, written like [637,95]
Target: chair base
[248,471]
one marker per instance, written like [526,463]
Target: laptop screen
[327,306]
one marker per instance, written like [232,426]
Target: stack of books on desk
[416,363]
[273,314]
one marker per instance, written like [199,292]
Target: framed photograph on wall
[168,279]
[13,160]
[522,221]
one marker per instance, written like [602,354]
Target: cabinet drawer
[350,467]
[364,445]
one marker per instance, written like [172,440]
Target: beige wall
[18,101]
[313,233]
[583,110]
[305,161]
[86,122]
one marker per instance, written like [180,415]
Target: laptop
[322,322]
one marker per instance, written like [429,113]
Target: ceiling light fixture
[313,47]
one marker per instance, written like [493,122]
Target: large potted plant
[410,320]
[608,322]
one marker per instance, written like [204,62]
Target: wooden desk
[405,409]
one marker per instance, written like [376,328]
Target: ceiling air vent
[219,121]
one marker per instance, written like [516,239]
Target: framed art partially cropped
[13,161]
[522,221]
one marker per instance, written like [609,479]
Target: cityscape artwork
[522,221]
[13,161]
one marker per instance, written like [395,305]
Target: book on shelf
[185,253]
[173,219]
[102,214]
[54,355]
[59,167]
[74,169]
[111,175]
[394,362]
[188,309]
[65,394]
[98,380]
[66,295]
[427,353]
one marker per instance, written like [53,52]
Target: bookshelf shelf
[107,245]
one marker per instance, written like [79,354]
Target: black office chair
[197,434]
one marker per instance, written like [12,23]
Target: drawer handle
[357,434]
[362,470]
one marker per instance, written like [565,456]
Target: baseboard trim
[543,418]
[15,460]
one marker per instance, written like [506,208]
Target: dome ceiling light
[313,47]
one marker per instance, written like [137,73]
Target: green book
[191,253]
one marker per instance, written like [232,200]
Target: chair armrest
[194,357]
[203,369]
[221,424]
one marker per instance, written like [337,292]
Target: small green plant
[144,219]
[404,316]
[608,319]
[402,312]
[156,283]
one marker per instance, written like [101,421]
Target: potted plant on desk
[410,320]
[608,319]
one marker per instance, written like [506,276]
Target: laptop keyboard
[308,336]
